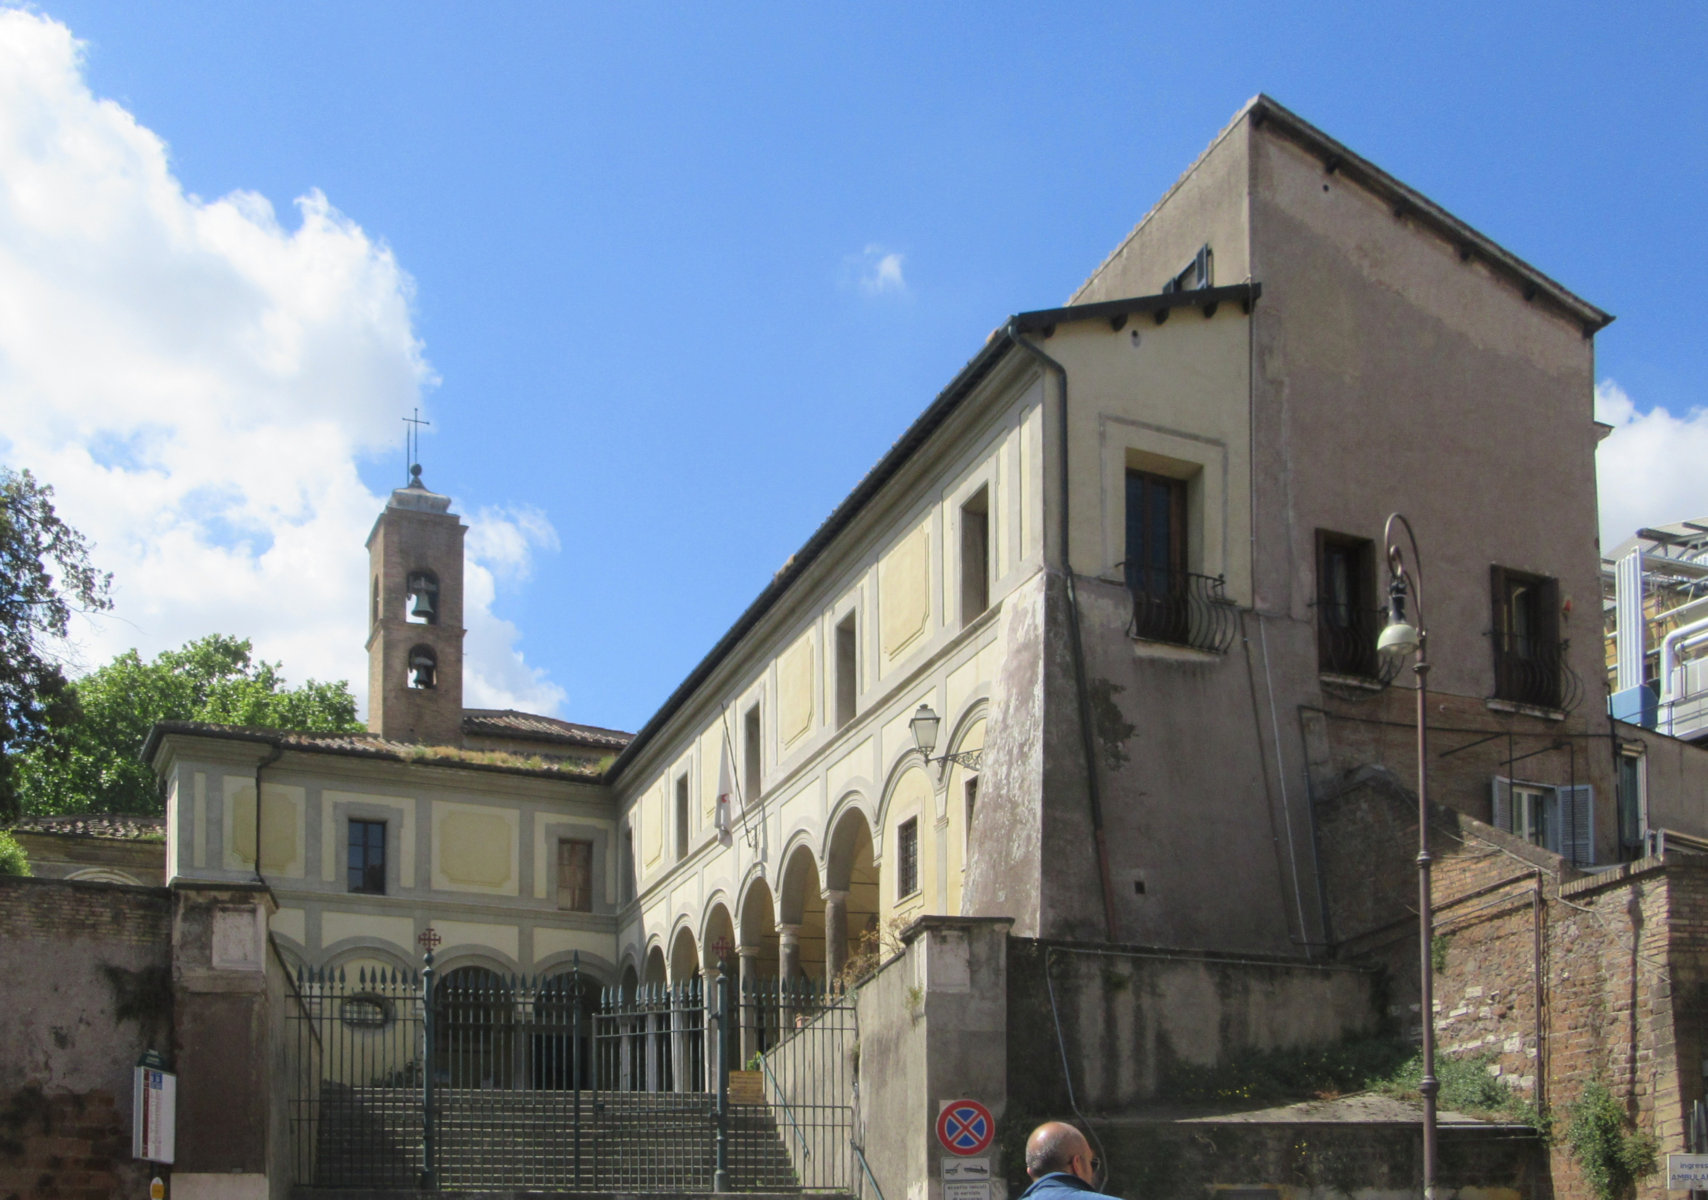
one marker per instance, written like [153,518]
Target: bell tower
[415,618]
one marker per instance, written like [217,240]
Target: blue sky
[668,279]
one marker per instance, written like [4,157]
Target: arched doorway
[720,961]
[758,953]
[474,1029]
[687,1013]
[801,919]
[852,946]
[559,1031]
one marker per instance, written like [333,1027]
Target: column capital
[831,895]
[788,935]
[747,951]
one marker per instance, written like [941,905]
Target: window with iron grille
[1528,654]
[907,858]
[1347,615]
[367,857]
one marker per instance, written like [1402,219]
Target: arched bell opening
[423,668]
[422,605]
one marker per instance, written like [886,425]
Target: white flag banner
[726,793]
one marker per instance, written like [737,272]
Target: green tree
[45,576]
[93,763]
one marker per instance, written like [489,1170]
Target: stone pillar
[711,975]
[748,982]
[835,933]
[788,974]
[232,1137]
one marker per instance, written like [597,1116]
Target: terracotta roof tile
[508,722]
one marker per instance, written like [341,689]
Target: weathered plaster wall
[1676,780]
[87,989]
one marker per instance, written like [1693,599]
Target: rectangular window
[1633,807]
[1557,818]
[907,858]
[574,875]
[1527,649]
[975,556]
[626,865]
[681,817]
[847,669]
[1348,619]
[367,857]
[1156,556]
[753,759]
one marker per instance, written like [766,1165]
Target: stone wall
[72,1035]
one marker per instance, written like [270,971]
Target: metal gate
[489,1081]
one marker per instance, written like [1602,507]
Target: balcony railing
[1534,671]
[1346,642]
[1181,608]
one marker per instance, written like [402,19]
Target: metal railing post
[720,1172]
[428,1181]
[575,1056]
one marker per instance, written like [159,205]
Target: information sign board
[154,1125]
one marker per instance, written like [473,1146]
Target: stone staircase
[498,1141]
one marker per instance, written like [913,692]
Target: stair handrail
[866,1167]
[787,1112]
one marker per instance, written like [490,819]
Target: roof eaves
[1407,201]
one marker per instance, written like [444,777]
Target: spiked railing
[1181,608]
[1535,671]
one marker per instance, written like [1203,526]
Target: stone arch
[560,1029]
[684,962]
[104,875]
[475,1039]
[912,885]
[851,884]
[655,969]
[719,927]
[628,983]
[596,967]
[800,916]
[347,951]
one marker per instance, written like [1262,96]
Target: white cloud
[1649,469]
[199,382]
[877,271]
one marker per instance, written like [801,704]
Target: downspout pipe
[272,756]
[1094,797]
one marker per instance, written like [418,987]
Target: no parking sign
[965,1127]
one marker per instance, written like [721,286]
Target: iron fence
[478,1080]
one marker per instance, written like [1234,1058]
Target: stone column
[748,982]
[711,975]
[788,974]
[835,933]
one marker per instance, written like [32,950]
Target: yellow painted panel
[503,938]
[856,764]
[795,690]
[548,942]
[652,826]
[289,922]
[281,827]
[336,926]
[475,849]
[904,592]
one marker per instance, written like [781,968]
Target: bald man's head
[1052,1148]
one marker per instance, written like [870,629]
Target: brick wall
[86,989]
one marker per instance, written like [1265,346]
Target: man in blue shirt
[1061,1164]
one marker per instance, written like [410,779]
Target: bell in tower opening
[415,646]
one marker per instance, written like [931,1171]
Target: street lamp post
[923,725]
[1401,640]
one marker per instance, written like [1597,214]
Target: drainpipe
[272,756]
[1093,796]
[1671,644]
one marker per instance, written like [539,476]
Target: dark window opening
[367,857]
[1155,565]
[1528,654]
[423,589]
[907,858]
[847,669]
[751,748]
[1630,796]
[681,817]
[574,875]
[1348,619]
[972,799]
[1199,273]
[374,605]
[626,865]
[423,668]
[975,556]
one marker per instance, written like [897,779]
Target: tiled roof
[507,722]
[368,745]
[95,825]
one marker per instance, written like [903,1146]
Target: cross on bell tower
[415,618]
